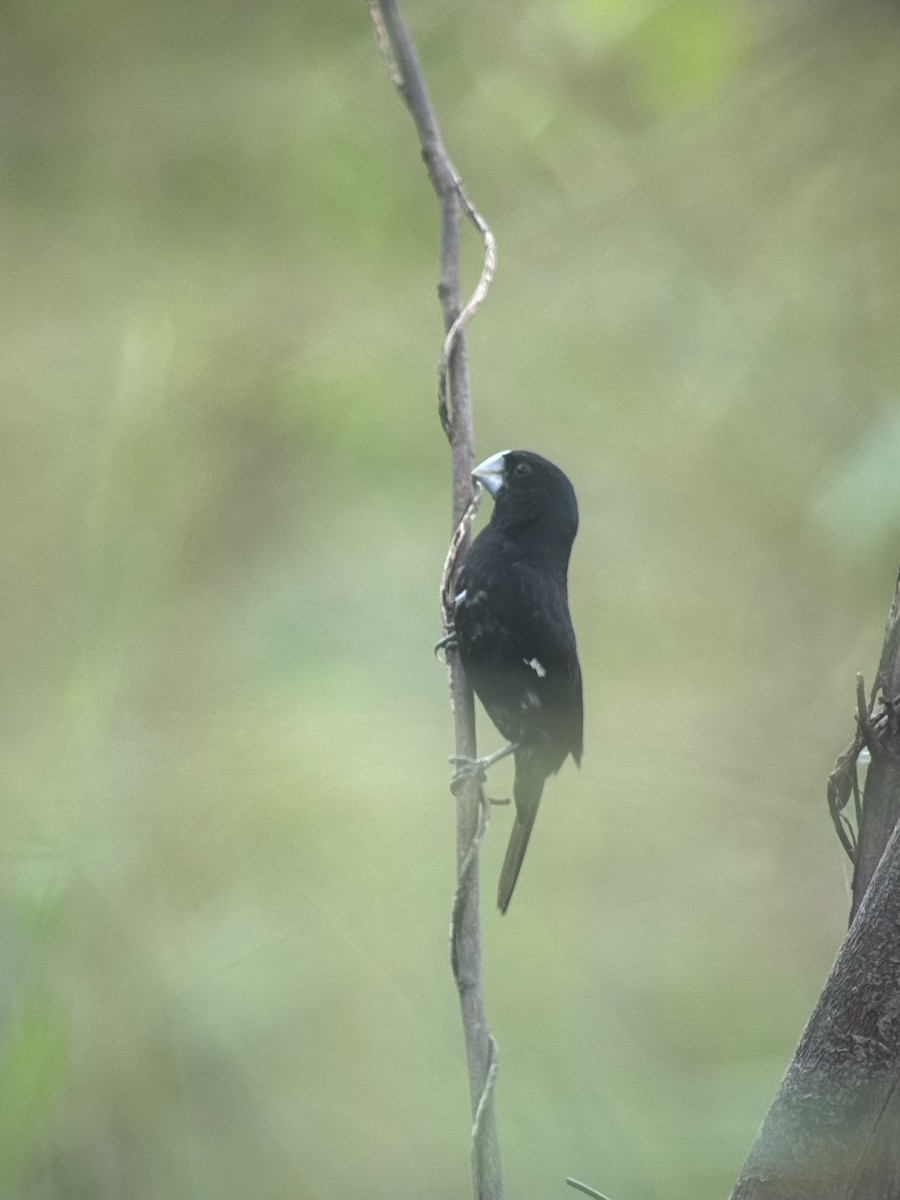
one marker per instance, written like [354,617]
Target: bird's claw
[476,768]
[446,641]
[466,770]
[465,760]
[472,768]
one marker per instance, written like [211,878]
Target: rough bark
[833,1129]
[881,804]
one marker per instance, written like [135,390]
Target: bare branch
[583,1187]
[384,45]
[455,412]
[481,290]
[451,562]
[403,67]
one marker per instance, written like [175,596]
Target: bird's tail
[527,790]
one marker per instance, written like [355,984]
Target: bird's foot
[476,768]
[467,769]
[470,770]
[480,765]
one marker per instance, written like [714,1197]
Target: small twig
[468,864]
[841,783]
[588,1191]
[864,713]
[481,1112]
[457,541]
[455,412]
[857,795]
[481,290]
[384,45]
[399,56]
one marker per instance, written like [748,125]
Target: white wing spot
[532,700]
[460,596]
[538,667]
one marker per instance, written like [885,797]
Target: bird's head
[530,492]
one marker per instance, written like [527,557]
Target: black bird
[514,633]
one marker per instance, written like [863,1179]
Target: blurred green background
[227,840]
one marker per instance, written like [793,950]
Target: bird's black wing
[518,648]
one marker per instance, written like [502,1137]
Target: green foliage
[33,1068]
[687,48]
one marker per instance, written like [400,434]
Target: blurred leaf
[685,49]
[858,504]
[39,890]
[32,1070]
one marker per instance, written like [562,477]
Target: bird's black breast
[517,646]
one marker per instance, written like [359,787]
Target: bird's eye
[522,469]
